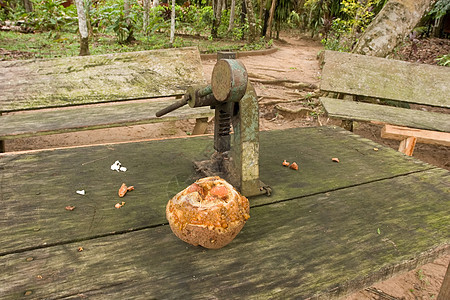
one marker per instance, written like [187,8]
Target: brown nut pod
[210,213]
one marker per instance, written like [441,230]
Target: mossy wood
[43,83]
[386,79]
[92,117]
[360,111]
[329,228]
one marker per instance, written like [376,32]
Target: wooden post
[407,145]
[226,55]
[201,124]
[445,288]
[347,125]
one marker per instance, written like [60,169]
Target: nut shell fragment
[209,213]
[294,166]
[119,205]
[124,189]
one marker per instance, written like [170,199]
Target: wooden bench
[348,76]
[71,85]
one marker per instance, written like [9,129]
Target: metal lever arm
[173,106]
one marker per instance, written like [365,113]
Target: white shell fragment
[117,166]
[82,192]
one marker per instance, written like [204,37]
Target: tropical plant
[195,20]
[444,60]
[439,9]
[51,15]
[317,13]
[282,13]
[352,19]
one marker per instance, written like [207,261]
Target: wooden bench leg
[407,145]
[200,126]
[347,125]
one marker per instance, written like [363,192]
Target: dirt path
[286,83]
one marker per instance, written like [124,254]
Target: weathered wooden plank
[319,246]
[423,136]
[92,117]
[42,83]
[360,111]
[36,187]
[385,78]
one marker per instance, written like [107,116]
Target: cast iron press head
[231,95]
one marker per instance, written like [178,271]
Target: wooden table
[328,229]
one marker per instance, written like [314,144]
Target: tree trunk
[172,23]
[126,14]
[82,24]
[390,26]
[126,11]
[87,11]
[146,16]
[242,21]
[217,11]
[155,3]
[265,22]
[261,8]
[269,23]
[251,21]
[28,6]
[232,13]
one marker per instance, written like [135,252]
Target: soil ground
[287,85]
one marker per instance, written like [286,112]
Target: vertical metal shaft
[222,127]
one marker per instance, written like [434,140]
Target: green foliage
[110,18]
[41,44]
[312,17]
[156,21]
[283,10]
[107,20]
[293,20]
[444,60]
[440,8]
[194,20]
[335,44]
[11,10]
[258,45]
[51,15]
[353,18]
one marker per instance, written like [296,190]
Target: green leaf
[378,230]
